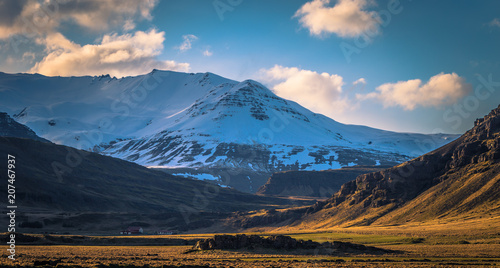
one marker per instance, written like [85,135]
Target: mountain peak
[253,87]
[252,82]
[176,119]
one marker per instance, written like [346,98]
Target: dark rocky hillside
[64,188]
[459,179]
[322,184]
[10,128]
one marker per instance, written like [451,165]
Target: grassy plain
[466,244]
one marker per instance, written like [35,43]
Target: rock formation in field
[282,242]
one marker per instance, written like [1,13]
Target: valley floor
[474,243]
[172,256]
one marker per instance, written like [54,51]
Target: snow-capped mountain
[199,121]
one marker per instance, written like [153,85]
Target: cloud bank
[319,92]
[323,93]
[441,89]
[131,53]
[117,55]
[32,17]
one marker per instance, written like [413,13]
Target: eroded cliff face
[475,154]
[321,184]
[479,144]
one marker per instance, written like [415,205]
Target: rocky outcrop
[479,144]
[406,181]
[281,242]
[253,241]
[322,184]
[472,160]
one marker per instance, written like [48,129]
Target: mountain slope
[280,133]
[321,184]
[60,178]
[458,180]
[10,128]
[199,121]
[57,185]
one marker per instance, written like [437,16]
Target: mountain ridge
[11,128]
[199,121]
[459,178]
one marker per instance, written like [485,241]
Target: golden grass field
[474,243]
[102,256]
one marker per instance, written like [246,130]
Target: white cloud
[39,18]
[207,53]
[361,81]
[441,89]
[495,23]
[186,45]
[358,85]
[319,92]
[129,25]
[347,18]
[117,55]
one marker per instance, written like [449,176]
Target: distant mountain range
[201,122]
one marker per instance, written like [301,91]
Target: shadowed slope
[92,182]
[321,184]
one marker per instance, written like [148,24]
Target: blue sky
[423,69]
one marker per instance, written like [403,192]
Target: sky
[409,66]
